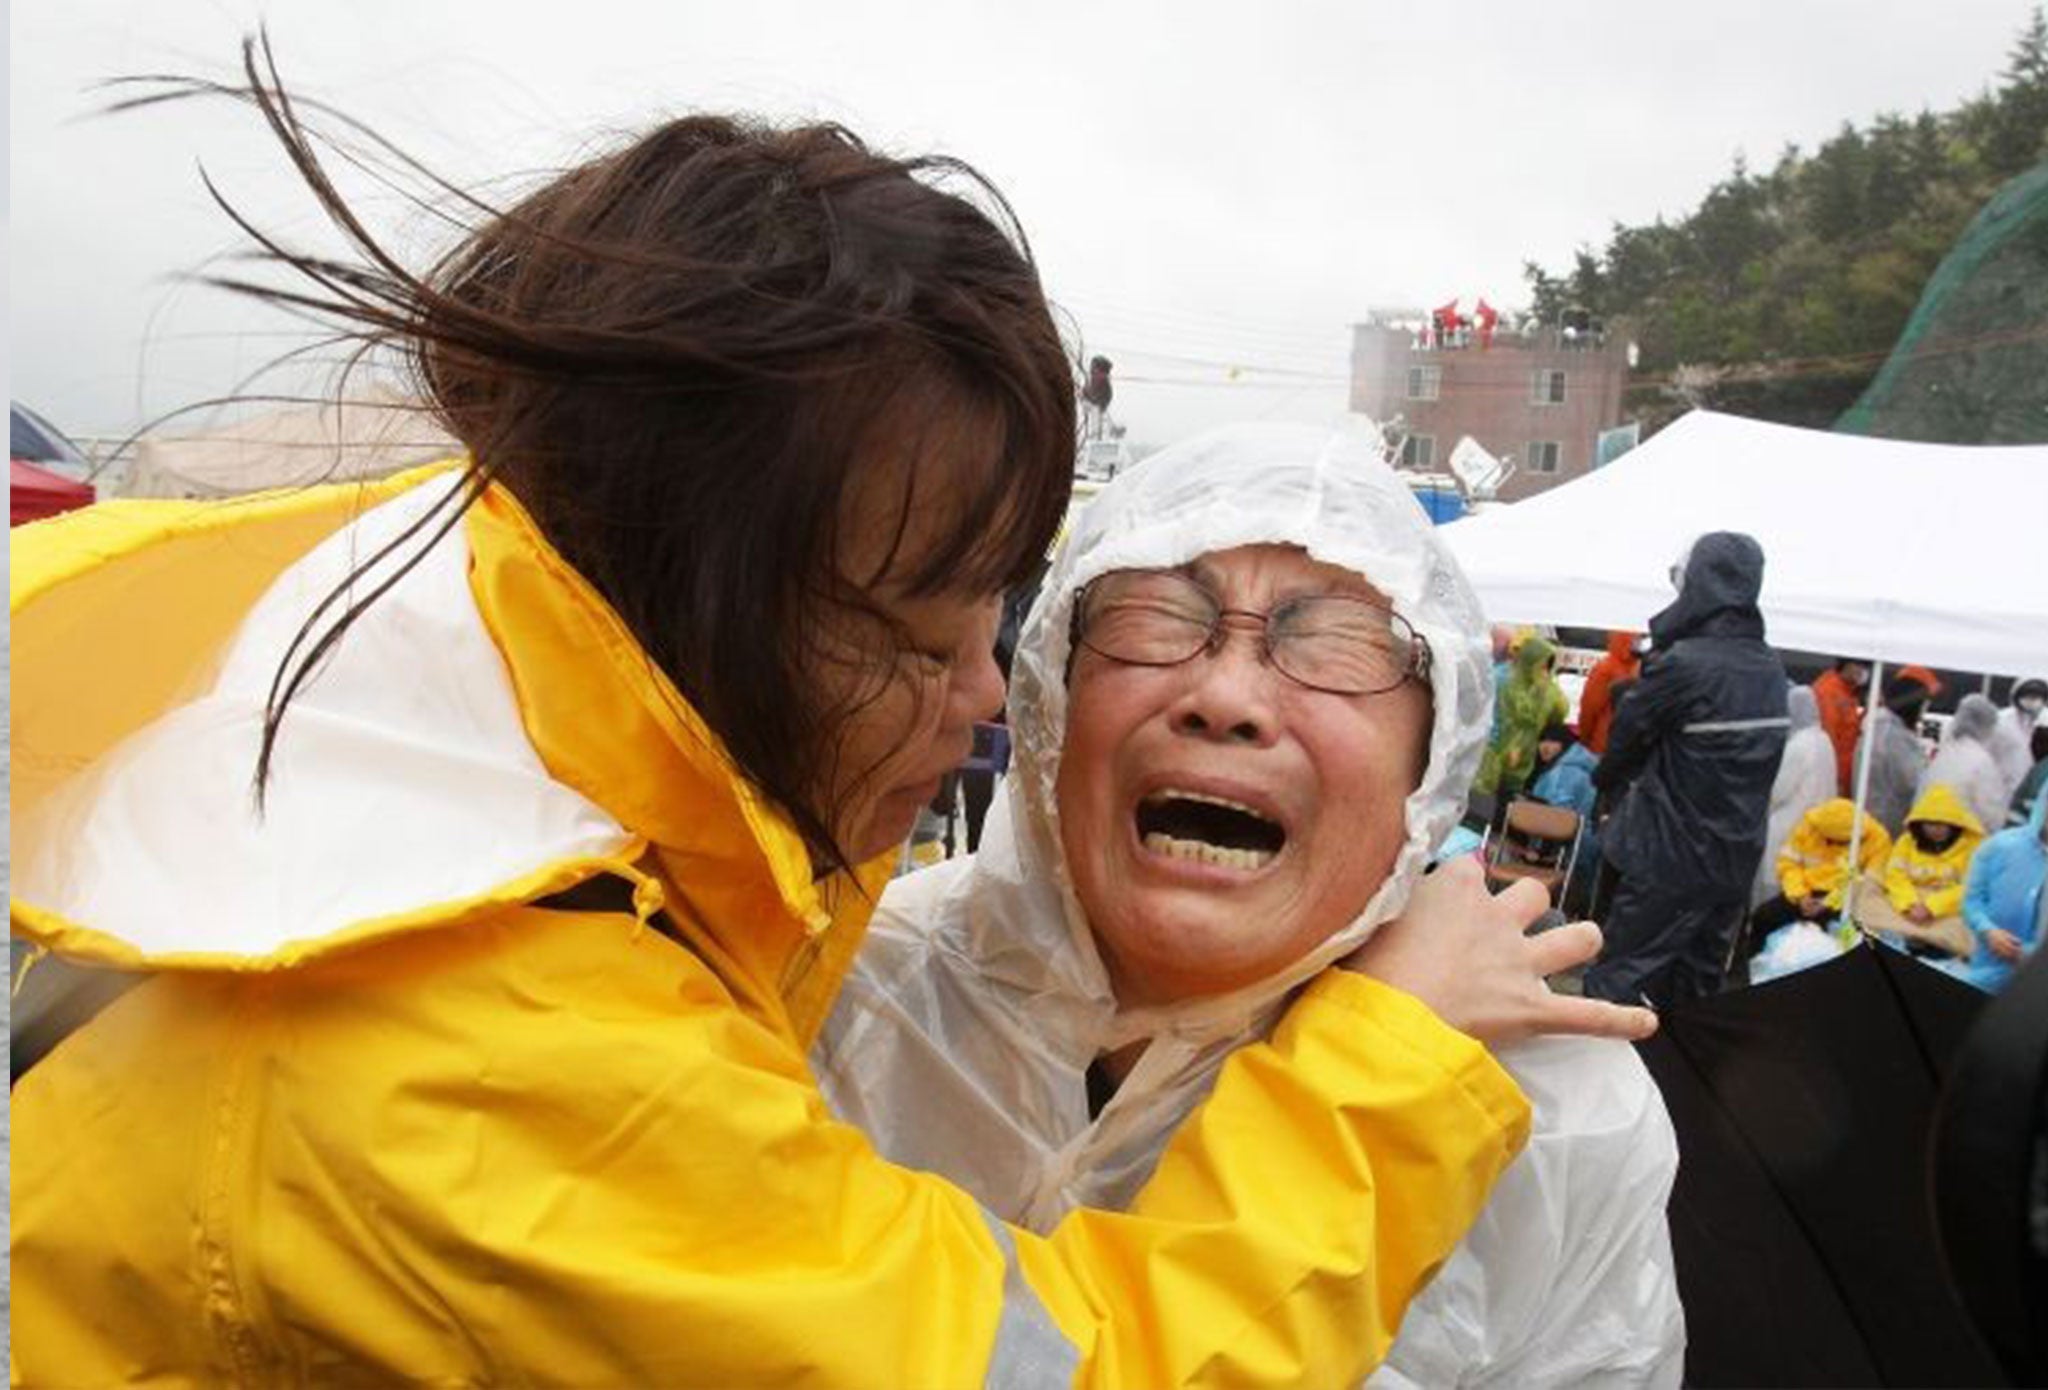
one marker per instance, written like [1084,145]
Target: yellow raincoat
[376,1115]
[1815,859]
[1934,880]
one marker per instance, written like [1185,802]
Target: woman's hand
[1465,953]
[2004,944]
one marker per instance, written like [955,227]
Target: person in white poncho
[1806,778]
[1967,761]
[1279,696]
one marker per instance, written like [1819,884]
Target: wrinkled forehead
[1269,572]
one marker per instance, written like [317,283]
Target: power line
[1233,385]
[1087,306]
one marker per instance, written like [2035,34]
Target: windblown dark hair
[683,356]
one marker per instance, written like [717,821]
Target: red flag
[34,493]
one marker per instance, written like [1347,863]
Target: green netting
[1972,364]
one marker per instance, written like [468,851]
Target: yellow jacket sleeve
[541,1150]
[1947,900]
[1346,1157]
[1898,881]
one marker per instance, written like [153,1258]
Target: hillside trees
[1794,282]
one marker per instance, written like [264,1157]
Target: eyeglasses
[1329,642]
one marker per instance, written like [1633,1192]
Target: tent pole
[1863,752]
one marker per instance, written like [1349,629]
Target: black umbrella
[1991,1173]
[1800,1219]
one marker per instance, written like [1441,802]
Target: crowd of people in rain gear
[1944,860]
[1927,822]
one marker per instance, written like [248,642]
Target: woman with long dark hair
[486,846]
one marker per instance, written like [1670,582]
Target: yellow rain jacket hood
[446,724]
[393,1103]
[963,1039]
[1815,859]
[1934,878]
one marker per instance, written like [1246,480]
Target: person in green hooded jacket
[1528,702]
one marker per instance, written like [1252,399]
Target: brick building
[1539,398]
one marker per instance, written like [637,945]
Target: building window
[1546,386]
[1543,455]
[1419,451]
[1424,383]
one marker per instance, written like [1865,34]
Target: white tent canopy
[362,437]
[1931,553]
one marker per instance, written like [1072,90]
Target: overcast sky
[1215,191]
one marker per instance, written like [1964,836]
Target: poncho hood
[1975,718]
[1724,576]
[1835,819]
[1939,805]
[1532,656]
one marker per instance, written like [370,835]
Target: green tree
[1639,259]
[1889,190]
[2018,135]
[1732,226]
[1547,293]
[1836,185]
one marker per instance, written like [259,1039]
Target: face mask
[2030,704]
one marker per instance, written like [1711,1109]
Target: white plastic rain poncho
[2012,738]
[962,1040]
[1897,760]
[1966,763]
[1806,777]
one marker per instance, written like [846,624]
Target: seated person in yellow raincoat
[1813,867]
[487,848]
[1921,897]
[1246,710]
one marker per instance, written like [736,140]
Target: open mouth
[1208,829]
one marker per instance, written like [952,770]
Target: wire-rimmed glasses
[1339,643]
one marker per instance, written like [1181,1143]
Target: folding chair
[1536,841]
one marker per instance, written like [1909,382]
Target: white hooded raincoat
[1806,778]
[1967,761]
[963,1037]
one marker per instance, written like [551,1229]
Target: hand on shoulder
[1466,953]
